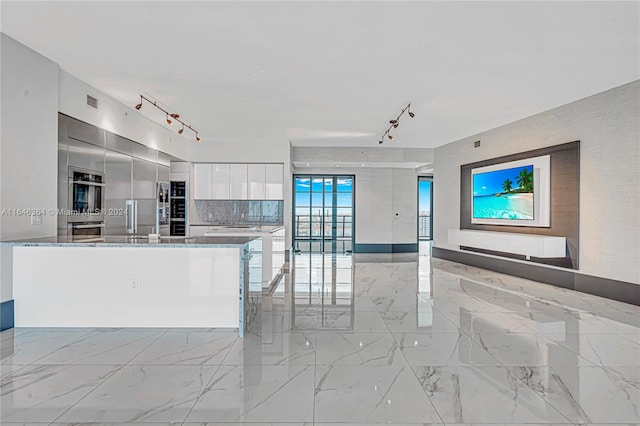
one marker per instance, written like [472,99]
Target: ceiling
[334,73]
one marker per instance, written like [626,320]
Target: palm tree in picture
[506,185]
[525,180]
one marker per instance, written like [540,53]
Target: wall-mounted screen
[514,193]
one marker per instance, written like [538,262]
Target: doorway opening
[323,213]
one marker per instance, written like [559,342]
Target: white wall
[608,128]
[123,120]
[28,144]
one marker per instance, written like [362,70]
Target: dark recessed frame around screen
[512,193]
[564,201]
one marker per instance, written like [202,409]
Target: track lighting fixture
[393,124]
[174,116]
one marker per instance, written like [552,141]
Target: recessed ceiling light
[362,164]
[307,164]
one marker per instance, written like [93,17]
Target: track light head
[390,137]
[411,114]
[395,125]
[393,121]
[380,142]
[170,117]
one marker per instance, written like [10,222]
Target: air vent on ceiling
[92,102]
[476,144]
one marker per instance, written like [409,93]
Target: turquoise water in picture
[505,206]
[504,194]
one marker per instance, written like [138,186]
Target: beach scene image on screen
[504,194]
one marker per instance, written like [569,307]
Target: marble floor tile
[26,347]
[527,350]
[358,349]
[443,349]
[248,424]
[368,424]
[585,322]
[418,322]
[276,394]
[41,393]
[397,303]
[571,390]
[364,304]
[289,348]
[103,347]
[489,322]
[604,349]
[371,394]
[145,393]
[182,347]
[484,395]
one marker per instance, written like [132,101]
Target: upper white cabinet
[224,181]
[202,189]
[256,179]
[220,182]
[238,181]
[274,182]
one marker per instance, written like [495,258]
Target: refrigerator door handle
[131,212]
[135,216]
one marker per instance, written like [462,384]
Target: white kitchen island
[130,282]
[270,255]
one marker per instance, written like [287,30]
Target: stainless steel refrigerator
[130,199]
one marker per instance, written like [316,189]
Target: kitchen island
[131,282]
[270,255]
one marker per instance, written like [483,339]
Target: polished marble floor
[348,340]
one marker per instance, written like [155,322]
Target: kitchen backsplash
[240,212]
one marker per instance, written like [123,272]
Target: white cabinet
[224,181]
[202,189]
[274,182]
[256,180]
[220,182]
[238,181]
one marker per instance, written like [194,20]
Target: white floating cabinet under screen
[238,181]
[523,244]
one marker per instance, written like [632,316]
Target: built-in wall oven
[85,215]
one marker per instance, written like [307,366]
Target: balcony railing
[424,227]
[312,226]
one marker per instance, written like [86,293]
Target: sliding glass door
[425,204]
[323,213]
